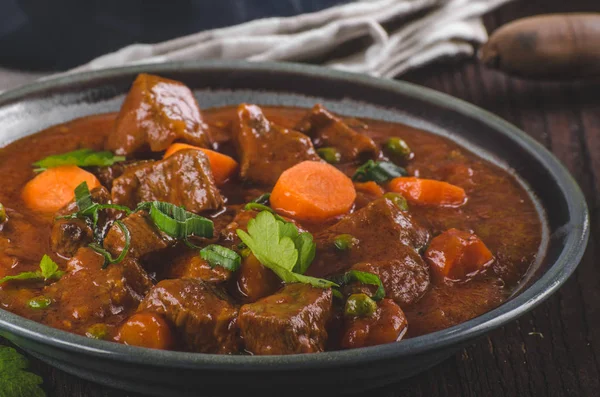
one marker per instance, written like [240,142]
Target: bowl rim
[19,328]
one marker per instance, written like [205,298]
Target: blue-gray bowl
[29,109]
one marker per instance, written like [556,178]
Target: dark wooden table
[555,349]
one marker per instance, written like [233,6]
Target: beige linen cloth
[423,30]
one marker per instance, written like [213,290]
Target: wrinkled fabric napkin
[422,31]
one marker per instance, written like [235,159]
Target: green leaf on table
[14,380]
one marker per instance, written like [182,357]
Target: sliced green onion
[41,302]
[83,197]
[81,158]
[344,242]
[330,155]
[217,255]
[398,147]
[360,305]
[108,259]
[361,277]
[97,331]
[380,172]
[398,200]
[263,199]
[176,221]
[257,207]
[2,214]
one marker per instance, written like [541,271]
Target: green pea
[97,331]
[41,302]
[398,147]
[398,200]
[329,154]
[344,242]
[2,213]
[360,305]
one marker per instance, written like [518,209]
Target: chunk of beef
[255,281]
[156,113]
[383,232]
[405,279]
[184,179]
[446,305]
[146,238]
[88,294]
[291,321]
[265,149]
[327,130]
[68,235]
[189,264]
[106,175]
[201,314]
[388,324]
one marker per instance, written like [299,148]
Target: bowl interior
[558,198]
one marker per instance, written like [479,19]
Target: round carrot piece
[222,166]
[370,188]
[146,330]
[54,188]
[313,191]
[428,192]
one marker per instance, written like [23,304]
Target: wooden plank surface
[555,349]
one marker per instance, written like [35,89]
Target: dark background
[555,349]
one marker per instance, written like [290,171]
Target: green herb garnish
[81,158]
[262,199]
[14,380]
[108,259]
[280,247]
[380,172]
[88,210]
[41,302]
[48,271]
[330,155]
[2,214]
[257,207]
[361,277]
[97,331]
[217,255]
[176,222]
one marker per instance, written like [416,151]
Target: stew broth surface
[499,211]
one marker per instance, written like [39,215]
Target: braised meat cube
[291,321]
[255,281]
[146,238]
[201,314]
[405,279]
[156,113]
[381,231]
[189,264]
[68,235]
[184,179]
[328,130]
[265,149]
[106,175]
[88,294]
[388,324]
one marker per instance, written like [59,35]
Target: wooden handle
[557,46]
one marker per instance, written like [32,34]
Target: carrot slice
[457,255]
[428,192]
[370,188]
[146,330]
[222,165]
[54,188]
[313,191]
